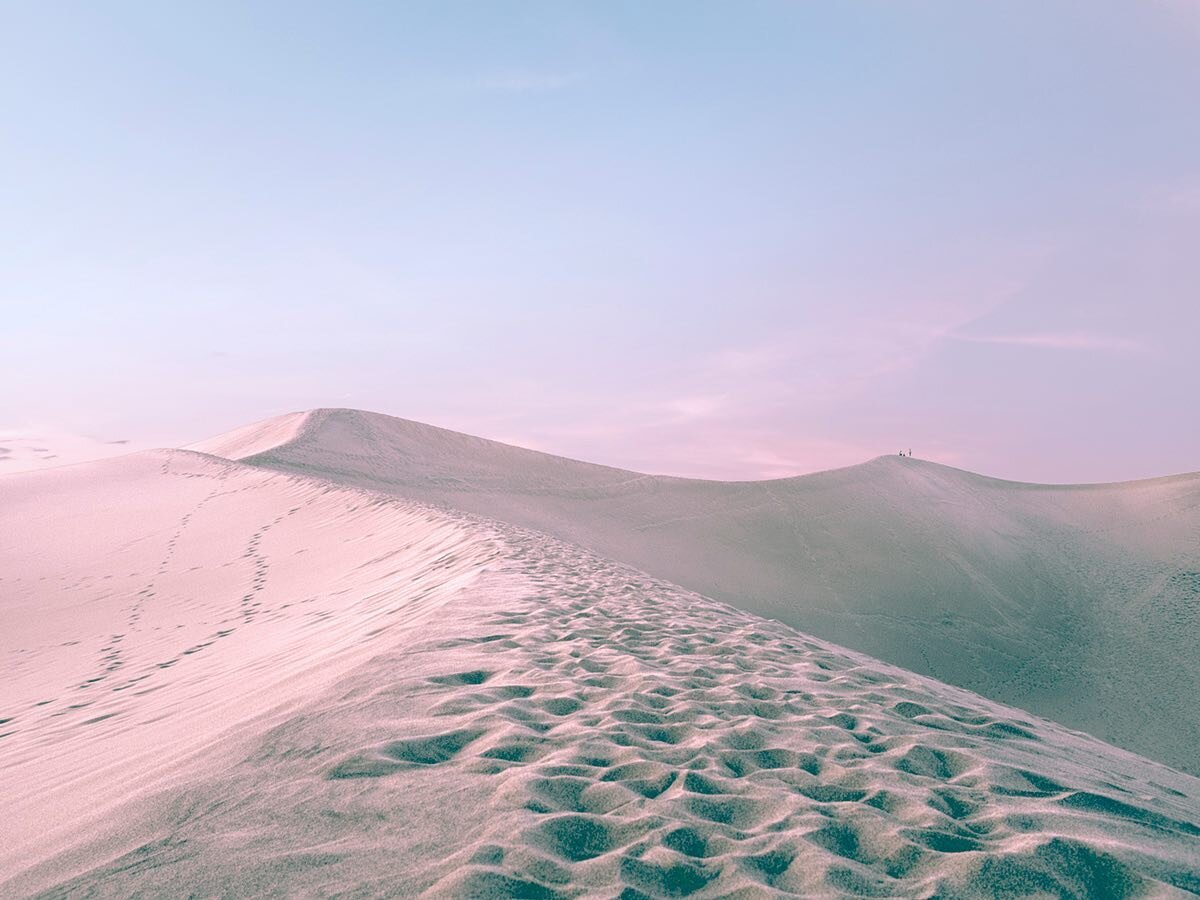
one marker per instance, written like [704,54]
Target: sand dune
[153,604]
[1080,603]
[226,680]
[31,448]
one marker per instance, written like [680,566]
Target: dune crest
[256,437]
[558,725]
[229,679]
[1077,602]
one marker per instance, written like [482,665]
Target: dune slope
[153,604]
[405,700]
[1080,603]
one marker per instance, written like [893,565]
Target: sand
[37,447]
[227,680]
[1080,603]
[154,603]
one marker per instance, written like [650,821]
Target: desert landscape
[342,653]
[599,450]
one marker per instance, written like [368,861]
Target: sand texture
[223,679]
[1079,603]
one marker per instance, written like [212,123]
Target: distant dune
[32,448]
[226,680]
[1079,602]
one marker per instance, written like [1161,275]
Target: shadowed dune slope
[227,681]
[1080,602]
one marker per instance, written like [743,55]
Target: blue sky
[721,239]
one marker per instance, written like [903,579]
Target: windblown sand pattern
[1080,603]
[467,708]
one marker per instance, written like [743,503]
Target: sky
[729,240]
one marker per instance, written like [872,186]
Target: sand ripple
[574,727]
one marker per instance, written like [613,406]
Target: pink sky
[733,241]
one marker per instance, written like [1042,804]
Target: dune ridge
[223,678]
[257,437]
[561,725]
[1078,602]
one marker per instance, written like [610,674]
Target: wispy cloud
[1056,341]
[837,356]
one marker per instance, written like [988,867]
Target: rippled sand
[224,680]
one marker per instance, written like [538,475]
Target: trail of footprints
[112,655]
[251,602]
[648,739]
[249,606]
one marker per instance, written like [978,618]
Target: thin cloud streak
[1052,341]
